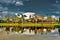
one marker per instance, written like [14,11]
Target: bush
[57,26]
[2,21]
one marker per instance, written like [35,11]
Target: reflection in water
[44,32]
[59,31]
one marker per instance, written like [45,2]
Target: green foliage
[49,16]
[59,19]
[59,31]
[57,26]
[2,21]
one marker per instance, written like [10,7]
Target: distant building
[26,15]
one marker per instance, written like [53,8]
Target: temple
[29,21]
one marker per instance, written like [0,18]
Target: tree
[2,21]
[59,19]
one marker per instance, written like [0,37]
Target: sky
[40,7]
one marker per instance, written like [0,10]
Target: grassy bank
[28,24]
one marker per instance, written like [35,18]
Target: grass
[28,24]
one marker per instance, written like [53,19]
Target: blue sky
[40,7]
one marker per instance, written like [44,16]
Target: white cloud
[1,8]
[53,16]
[51,9]
[57,1]
[57,18]
[56,12]
[27,0]
[5,12]
[5,8]
[18,3]
[24,0]
[13,1]
[45,17]
[0,16]
[6,1]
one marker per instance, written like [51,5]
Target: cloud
[13,1]
[11,12]
[24,0]
[6,1]
[5,12]
[57,12]
[51,9]
[57,1]
[53,16]
[0,16]
[27,0]
[5,8]
[18,3]
[1,7]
